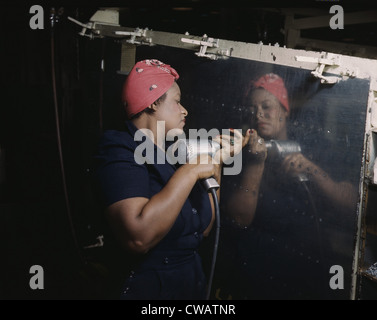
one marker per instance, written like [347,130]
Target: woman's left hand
[230,145]
[295,164]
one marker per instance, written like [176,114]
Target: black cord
[318,228]
[312,203]
[58,137]
[213,264]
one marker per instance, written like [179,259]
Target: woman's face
[268,116]
[171,111]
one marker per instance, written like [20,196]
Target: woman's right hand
[257,147]
[202,167]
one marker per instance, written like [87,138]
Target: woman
[156,211]
[269,110]
[279,253]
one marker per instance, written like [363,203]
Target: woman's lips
[262,124]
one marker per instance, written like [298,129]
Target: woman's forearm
[341,194]
[243,202]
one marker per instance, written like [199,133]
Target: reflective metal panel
[288,220]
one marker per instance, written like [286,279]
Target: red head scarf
[275,85]
[147,81]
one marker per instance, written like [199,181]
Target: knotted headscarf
[147,81]
[275,85]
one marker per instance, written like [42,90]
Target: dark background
[47,211]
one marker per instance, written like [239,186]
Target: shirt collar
[158,153]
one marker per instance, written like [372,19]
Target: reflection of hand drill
[279,149]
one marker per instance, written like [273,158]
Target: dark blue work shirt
[118,176]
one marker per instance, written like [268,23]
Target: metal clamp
[322,62]
[85,27]
[138,33]
[204,44]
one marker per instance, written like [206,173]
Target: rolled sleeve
[117,175]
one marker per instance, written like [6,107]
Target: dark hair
[149,110]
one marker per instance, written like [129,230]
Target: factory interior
[59,99]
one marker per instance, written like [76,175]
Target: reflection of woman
[269,109]
[156,211]
[279,253]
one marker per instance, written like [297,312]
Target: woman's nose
[259,114]
[184,111]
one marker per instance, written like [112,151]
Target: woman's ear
[285,112]
[153,106]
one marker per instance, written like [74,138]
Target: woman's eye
[250,113]
[252,110]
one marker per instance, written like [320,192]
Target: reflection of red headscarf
[275,85]
[147,81]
